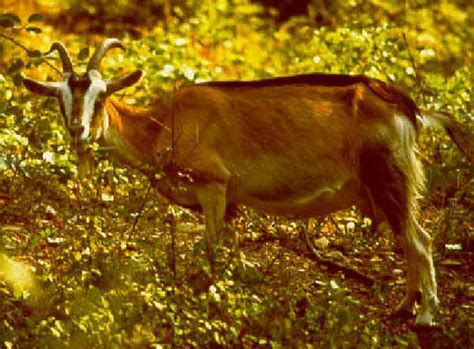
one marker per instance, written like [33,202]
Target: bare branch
[23,47]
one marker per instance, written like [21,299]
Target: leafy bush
[110,274]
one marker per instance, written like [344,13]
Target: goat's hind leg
[416,244]
[420,246]
[394,189]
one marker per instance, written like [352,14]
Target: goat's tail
[463,138]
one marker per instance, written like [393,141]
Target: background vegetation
[98,263]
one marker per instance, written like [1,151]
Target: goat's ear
[41,88]
[124,81]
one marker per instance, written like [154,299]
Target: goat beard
[86,163]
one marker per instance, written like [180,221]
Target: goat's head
[82,98]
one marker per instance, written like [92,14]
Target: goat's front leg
[212,198]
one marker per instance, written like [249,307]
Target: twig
[173,150]
[331,219]
[418,78]
[332,265]
[140,211]
[20,45]
[172,257]
[270,266]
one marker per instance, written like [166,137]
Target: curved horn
[65,58]
[107,44]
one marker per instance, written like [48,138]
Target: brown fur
[291,148]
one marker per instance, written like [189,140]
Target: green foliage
[101,286]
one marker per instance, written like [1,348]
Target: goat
[298,146]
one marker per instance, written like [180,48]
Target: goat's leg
[212,198]
[420,275]
[413,247]
[393,185]
[413,285]
[419,245]
[416,244]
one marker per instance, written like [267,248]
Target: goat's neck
[132,133]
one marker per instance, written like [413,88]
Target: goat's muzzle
[76,130]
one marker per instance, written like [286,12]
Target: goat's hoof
[426,327]
[426,314]
[425,320]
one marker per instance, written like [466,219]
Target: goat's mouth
[77,134]
[82,138]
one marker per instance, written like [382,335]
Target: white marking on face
[63,92]
[90,97]
[66,96]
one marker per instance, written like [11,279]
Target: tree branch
[28,51]
[415,69]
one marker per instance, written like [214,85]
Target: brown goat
[298,146]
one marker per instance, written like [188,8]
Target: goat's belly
[321,201]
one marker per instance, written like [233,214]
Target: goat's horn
[107,44]
[65,58]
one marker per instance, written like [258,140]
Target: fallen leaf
[451,263]
[321,243]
